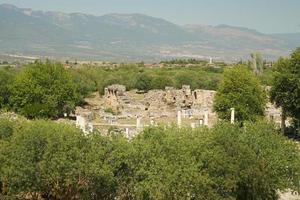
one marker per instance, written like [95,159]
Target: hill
[128,37]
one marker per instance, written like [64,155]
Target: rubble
[131,110]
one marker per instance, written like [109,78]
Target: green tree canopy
[44,90]
[241,90]
[143,82]
[226,162]
[57,161]
[160,82]
[6,79]
[257,63]
[285,91]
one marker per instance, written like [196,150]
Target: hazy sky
[268,16]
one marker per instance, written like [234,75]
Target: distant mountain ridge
[127,37]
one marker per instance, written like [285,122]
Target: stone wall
[158,107]
[166,103]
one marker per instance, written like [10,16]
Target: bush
[6,129]
[44,90]
[241,90]
[143,82]
[285,90]
[6,79]
[57,161]
[226,162]
[160,82]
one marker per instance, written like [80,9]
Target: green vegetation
[47,90]
[285,91]
[241,90]
[134,76]
[6,79]
[192,61]
[44,90]
[257,63]
[57,161]
[48,160]
[185,62]
[111,111]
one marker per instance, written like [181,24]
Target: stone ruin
[130,111]
[112,94]
[157,105]
[84,120]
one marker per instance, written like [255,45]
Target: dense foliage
[57,161]
[40,90]
[192,61]
[185,61]
[134,76]
[47,90]
[285,91]
[6,79]
[241,90]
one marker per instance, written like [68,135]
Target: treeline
[48,90]
[135,76]
[185,61]
[43,159]
[192,61]
[40,90]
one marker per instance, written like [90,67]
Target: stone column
[106,92]
[152,123]
[127,132]
[232,116]
[201,122]
[81,123]
[138,123]
[179,120]
[90,127]
[206,118]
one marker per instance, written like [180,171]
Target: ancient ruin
[131,111]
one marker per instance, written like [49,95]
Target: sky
[267,16]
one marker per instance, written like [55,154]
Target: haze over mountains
[128,37]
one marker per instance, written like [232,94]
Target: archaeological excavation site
[130,112]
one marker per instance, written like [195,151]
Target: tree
[241,90]
[6,79]
[160,82]
[257,63]
[44,90]
[186,78]
[85,85]
[143,82]
[266,161]
[225,162]
[285,90]
[55,161]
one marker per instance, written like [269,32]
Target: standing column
[138,123]
[201,122]
[232,116]
[179,120]
[127,133]
[206,118]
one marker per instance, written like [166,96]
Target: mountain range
[129,37]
